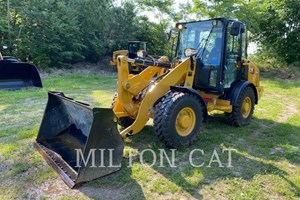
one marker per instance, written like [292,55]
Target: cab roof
[223,19]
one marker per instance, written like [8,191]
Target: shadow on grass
[253,156]
[120,185]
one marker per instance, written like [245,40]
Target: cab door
[234,52]
[209,61]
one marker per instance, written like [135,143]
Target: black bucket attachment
[17,75]
[81,143]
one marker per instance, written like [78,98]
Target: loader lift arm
[129,86]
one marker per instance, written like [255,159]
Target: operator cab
[219,46]
[134,47]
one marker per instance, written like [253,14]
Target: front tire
[243,110]
[178,118]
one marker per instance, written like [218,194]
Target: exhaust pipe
[81,143]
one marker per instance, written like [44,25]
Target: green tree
[279,29]
[49,35]
[275,24]
[57,33]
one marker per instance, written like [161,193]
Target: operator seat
[214,57]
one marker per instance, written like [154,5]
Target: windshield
[133,47]
[204,37]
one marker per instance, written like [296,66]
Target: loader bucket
[70,127]
[17,75]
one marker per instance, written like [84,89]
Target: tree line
[58,33]
[61,32]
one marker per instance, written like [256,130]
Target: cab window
[233,56]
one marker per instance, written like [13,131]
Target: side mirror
[235,28]
[4,47]
[190,52]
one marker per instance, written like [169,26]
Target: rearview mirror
[190,52]
[235,28]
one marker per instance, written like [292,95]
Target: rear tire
[243,111]
[178,119]
[122,121]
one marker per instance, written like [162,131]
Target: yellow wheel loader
[210,72]
[133,48]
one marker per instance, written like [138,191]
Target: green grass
[256,173]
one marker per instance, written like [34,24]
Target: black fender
[237,88]
[193,91]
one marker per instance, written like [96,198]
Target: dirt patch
[50,188]
[102,68]
[260,130]
[291,110]
[276,150]
[57,188]
[286,73]
[106,192]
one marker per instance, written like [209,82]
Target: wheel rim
[185,121]
[246,107]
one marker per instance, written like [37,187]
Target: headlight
[180,25]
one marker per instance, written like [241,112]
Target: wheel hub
[185,121]
[246,107]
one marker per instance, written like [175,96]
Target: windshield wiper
[206,43]
[199,45]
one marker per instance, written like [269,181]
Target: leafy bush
[58,33]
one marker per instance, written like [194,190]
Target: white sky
[151,15]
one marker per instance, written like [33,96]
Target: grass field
[266,164]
